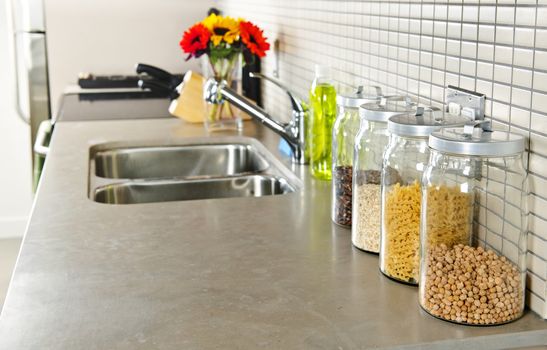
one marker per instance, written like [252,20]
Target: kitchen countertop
[271,272]
[101,104]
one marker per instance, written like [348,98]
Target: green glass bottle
[323,115]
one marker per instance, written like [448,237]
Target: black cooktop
[113,105]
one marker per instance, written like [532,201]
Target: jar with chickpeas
[474,226]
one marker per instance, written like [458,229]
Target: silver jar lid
[423,122]
[358,97]
[382,110]
[476,141]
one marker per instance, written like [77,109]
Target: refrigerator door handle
[20,113]
[41,145]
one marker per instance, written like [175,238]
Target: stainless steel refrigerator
[32,83]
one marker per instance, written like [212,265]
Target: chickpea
[472,285]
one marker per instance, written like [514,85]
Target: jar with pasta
[370,144]
[473,233]
[407,154]
[345,128]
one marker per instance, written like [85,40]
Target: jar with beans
[370,144]
[343,138]
[407,153]
[473,269]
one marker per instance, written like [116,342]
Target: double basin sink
[201,168]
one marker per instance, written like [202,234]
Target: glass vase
[223,116]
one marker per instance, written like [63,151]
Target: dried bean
[498,306]
[342,182]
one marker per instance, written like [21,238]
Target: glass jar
[474,227]
[223,116]
[405,159]
[370,144]
[343,137]
[323,114]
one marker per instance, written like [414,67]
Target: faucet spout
[292,132]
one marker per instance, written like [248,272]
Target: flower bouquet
[221,41]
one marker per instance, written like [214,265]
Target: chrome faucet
[292,132]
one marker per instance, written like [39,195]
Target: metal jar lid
[358,97]
[476,141]
[423,122]
[387,107]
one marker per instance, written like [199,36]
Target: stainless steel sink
[204,168]
[180,190]
[179,161]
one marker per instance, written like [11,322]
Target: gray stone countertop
[240,273]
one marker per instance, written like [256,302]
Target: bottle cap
[322,71]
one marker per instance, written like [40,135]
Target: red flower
[253,38]
[195,40]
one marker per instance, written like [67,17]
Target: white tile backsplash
[487,14]
[524,58]
[505,15]
[526,16]
[486,33]
[504,35]
[522,77]
[498,48]
[541,38]
[540,81]
[503,74]
[539,123]
[525,37]
[540,59]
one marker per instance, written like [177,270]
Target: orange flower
[253,38]
[195,40]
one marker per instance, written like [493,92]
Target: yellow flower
[222,28]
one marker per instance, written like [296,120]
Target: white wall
[15,147]
[110,36]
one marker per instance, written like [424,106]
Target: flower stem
[222,69]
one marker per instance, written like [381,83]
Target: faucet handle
[211,91]
[295,101]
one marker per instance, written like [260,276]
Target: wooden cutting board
[190,106]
